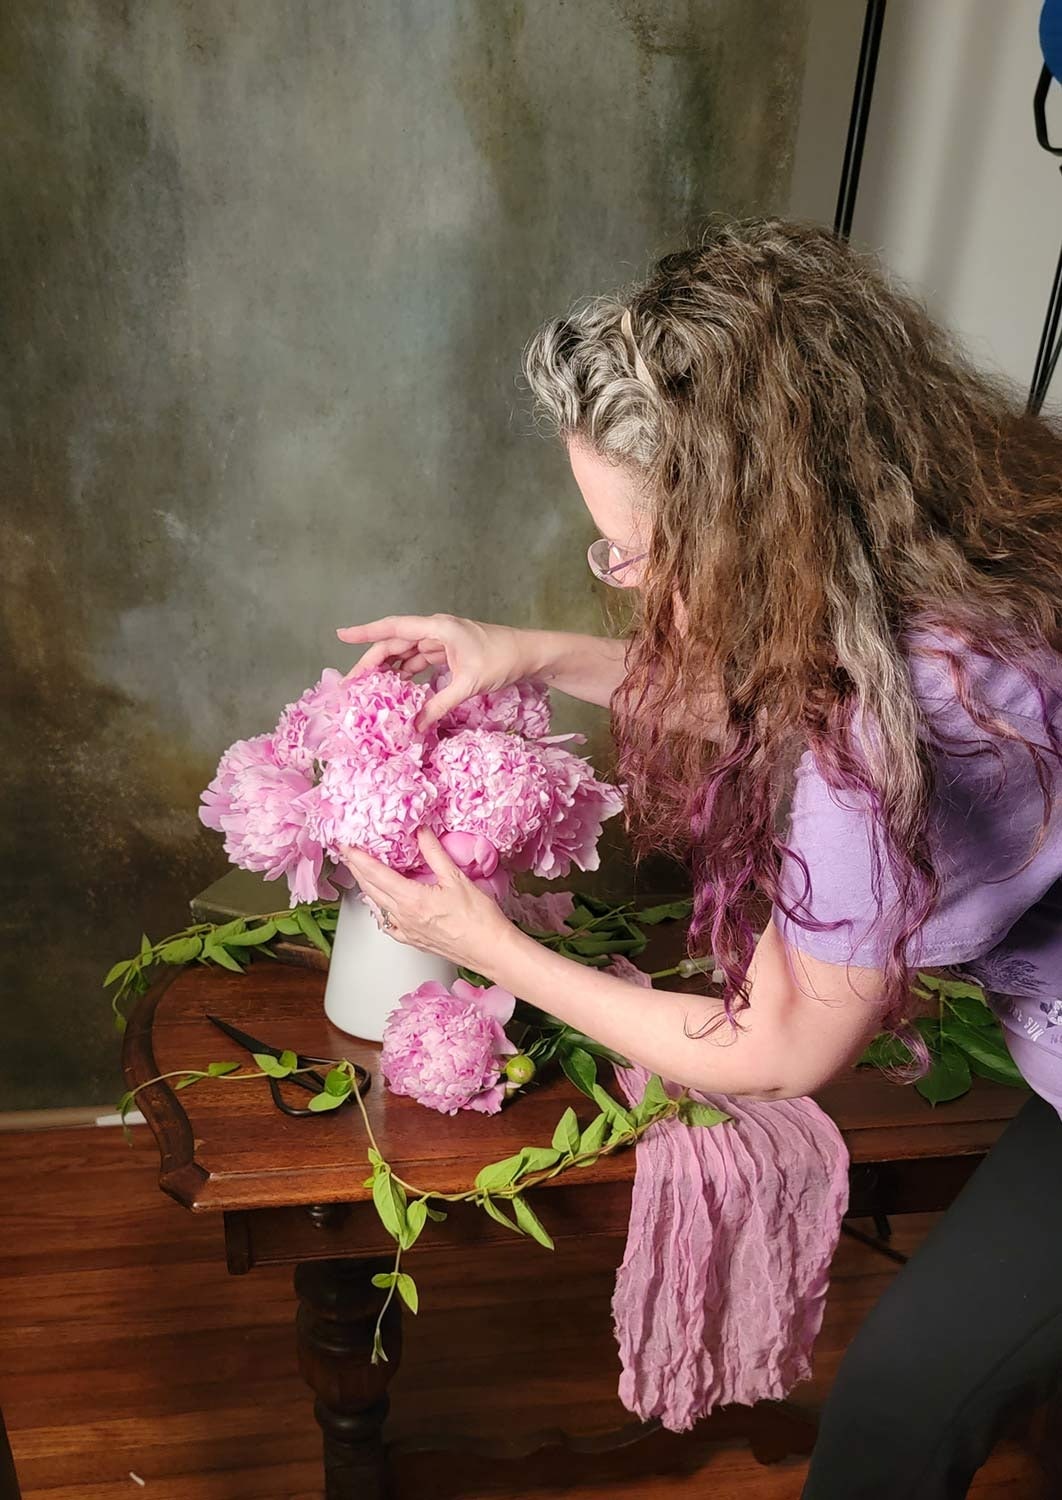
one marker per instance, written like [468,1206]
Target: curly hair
[825,472]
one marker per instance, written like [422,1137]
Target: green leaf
[253,936]
[669,911]
[145,946]
[539,1159]
[491,1209]
[339,1082]
[986,1048]
[389,1198]
[407,1290]
[384,1279]
[220,956]
[125,1103]
[271,1066]
[499,1174]
[181,950]
[1002,1070]
[416,1218]
[288,926]
[566,1135]
[656,1095]
[219,1069]
[186,1083]
[886,1051]
[309,928]
[436,1215]
[118,971]
[695,1113]
[580,1068]
[573,1038]
[375,1158]
[322,1102]
[947,1078]
[530,1223]
[975,1012]
[378,1355]
[593,1137]
[580,916]
[289,1060]
[615,1112]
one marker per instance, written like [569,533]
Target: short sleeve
[838,892]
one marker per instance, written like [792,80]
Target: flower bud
[520,1069]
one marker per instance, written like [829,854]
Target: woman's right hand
[480,658]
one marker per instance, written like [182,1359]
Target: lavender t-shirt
[999,916]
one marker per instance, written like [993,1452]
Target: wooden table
[290,1191]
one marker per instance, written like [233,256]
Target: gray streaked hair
[591,383]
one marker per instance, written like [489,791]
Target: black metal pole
[857,124]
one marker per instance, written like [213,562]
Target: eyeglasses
[608,561]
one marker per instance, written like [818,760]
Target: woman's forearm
[654,1028]
[587,667]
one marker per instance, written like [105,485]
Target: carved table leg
[338,1307]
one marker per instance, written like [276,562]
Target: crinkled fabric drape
[732,1230]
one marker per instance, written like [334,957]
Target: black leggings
[970,1329]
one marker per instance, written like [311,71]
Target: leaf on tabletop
[886,1051]
[668,911]
[580,1068]
[271,1066]
[539,1158]
[614,1111]
[253,936]
[985,1047]
[593,1137]
[288,926]
[566,1135]
[948,1078]
[319,1103]
[975,1012]
[499,1174]
[309,928]
[289,1060]
[221,956]
[339,1082]
[530,1223]
[181,950]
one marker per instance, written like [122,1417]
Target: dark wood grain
[225,1147]
[126,1346]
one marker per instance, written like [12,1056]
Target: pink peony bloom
[446,1048]
[569,831]
[360,716]
[491,785]
[373,803]
[521,708]
[262,810]
[322,701]
[478,858]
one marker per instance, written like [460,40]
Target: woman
[842,692]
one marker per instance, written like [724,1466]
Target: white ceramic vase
[369,972]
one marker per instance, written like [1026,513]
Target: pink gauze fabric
[732,1230]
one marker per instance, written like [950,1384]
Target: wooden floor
[126,1349]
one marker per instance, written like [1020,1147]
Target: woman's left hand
[451,918]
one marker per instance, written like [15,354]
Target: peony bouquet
[346,767]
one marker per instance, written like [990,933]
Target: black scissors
[306,1079]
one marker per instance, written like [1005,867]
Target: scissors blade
[243,1039]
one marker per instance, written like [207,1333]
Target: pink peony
[445,1048]
[360,716]
[262,810]
[521,708]
[376,804]
[492,785]
[548,912]
[569,831]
